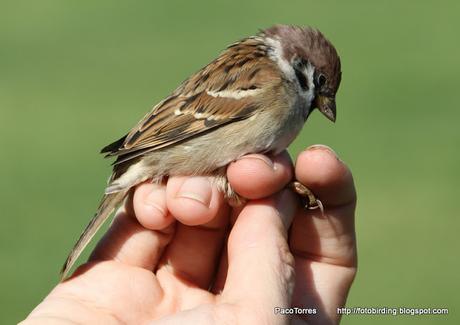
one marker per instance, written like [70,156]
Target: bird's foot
[308,198]
[234,199]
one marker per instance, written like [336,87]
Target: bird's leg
[234,199]
[308,198]
[222,184]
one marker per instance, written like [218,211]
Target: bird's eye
[321,80]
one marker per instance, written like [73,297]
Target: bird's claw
[311,202]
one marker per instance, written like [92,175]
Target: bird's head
[311,62]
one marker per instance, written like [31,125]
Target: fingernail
[153,198]
[286,204]
[262,158]
[322,147]
[196,188]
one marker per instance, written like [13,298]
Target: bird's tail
[108,203]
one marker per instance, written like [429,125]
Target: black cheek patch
[302,79]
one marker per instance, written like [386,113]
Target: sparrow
[253,98]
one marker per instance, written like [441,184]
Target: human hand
[198,276]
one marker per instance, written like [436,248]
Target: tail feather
[108,203]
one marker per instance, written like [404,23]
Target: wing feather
[222,92]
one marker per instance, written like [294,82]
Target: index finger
[256,176]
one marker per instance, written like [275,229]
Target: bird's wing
[218,94]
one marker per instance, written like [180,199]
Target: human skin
[213,264]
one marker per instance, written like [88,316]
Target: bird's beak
[326,105]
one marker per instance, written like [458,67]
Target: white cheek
[309,95]
[284,65]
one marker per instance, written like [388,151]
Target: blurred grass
[76,75]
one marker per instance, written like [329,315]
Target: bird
[253,98]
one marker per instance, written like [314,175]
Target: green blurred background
[76,75]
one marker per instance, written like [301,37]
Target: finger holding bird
[253,98]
